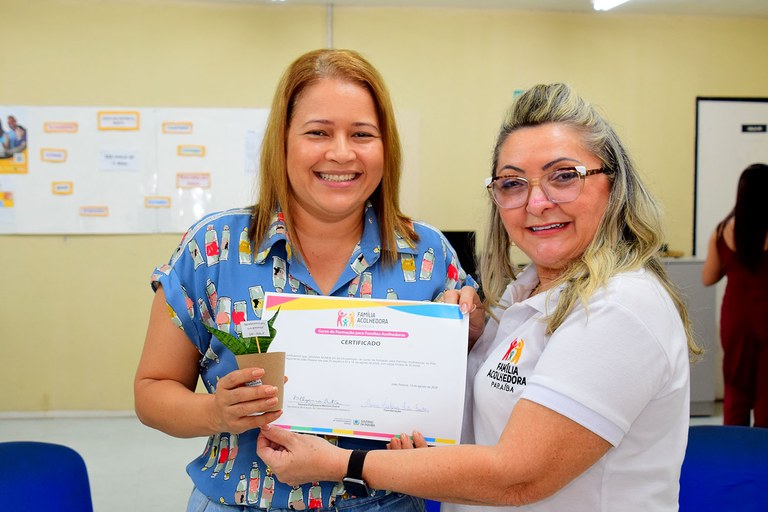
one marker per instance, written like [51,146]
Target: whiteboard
[99,170]
[731,134]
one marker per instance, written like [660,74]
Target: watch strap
[355,465]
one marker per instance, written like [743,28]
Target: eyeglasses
[561,185]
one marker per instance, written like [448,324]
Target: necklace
[535,289]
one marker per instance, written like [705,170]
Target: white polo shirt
[620,368]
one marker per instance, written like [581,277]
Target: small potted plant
[252,352]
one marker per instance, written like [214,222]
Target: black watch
[353,482]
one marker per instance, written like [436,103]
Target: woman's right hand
[471,304]
[238,407]
[167,377]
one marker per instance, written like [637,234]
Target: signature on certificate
[323,403]
[389,406]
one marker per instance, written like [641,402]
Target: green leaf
[233,343]
[249,343]
[264,341]
[240,346]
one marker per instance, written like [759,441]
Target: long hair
[750,224]
[274,192]
[629,234]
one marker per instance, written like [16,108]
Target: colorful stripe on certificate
[349,433]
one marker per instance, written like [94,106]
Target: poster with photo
[13,141]
[114,170]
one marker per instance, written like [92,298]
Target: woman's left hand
[404,442]
[470,304]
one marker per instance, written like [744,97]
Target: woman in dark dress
[738,249]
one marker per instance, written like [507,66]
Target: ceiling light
[604,5]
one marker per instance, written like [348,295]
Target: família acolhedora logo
[506,375]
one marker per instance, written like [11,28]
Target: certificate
[371,368]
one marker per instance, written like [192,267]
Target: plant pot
[273,364]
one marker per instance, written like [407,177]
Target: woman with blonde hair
[578,388]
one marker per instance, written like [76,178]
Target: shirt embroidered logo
[515,351]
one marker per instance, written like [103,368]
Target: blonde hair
[304,72]
[629,235]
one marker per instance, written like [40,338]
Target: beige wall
[76,307]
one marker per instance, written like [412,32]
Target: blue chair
[38,476]
[725,469]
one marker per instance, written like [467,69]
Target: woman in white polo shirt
[578,389]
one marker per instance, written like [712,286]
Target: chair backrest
[725,469]
[38,476]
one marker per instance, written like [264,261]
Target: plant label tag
[254,328]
